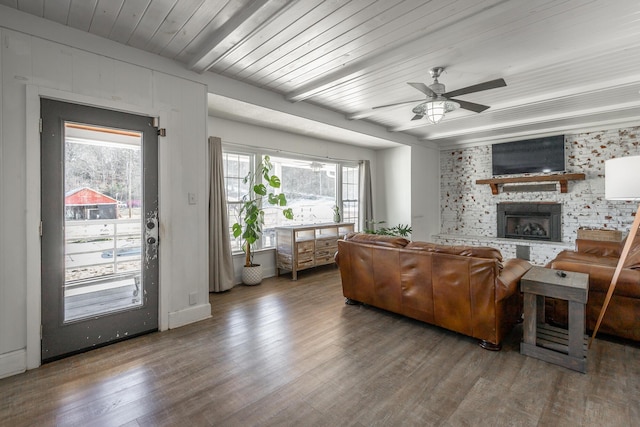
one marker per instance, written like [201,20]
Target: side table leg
[540,309]
[529,325]
[576,329]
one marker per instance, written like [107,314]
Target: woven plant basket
[252,275]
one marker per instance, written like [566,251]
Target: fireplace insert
[530,221]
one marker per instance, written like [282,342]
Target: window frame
[255,155]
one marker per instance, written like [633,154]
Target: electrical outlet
[193,298]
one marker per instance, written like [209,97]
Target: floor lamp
[621,182]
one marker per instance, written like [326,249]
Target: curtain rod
[277,151]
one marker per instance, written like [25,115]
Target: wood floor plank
[291,353]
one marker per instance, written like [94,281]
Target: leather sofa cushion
[470,251]
[378,240]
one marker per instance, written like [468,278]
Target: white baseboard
[13,363]
[189,315]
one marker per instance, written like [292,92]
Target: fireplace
[530,221]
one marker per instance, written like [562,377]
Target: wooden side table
[563,347]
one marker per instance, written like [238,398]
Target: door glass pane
[103,220]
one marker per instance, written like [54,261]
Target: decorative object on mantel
[621,182]
[600,234]
[563,179]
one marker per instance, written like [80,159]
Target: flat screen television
[538,155]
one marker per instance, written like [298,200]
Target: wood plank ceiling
[569,65]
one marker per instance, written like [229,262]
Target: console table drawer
[305,263]
[303,248]
[325,259]
[327,243]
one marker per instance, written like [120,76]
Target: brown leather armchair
[599,260]
[461,288]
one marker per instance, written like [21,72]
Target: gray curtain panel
[220,261]
[366,201]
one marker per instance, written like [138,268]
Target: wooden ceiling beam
[241,26]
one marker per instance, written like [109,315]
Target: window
[312,188]
[350,194]
[236,167]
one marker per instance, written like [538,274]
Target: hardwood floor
[292,353]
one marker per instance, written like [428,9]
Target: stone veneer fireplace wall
[469,210]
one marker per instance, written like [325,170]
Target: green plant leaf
[274,181]
[260,189]
[237,229]
[288,213]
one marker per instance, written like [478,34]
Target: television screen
[529,156]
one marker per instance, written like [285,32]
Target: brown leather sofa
[461,288]
[599,260]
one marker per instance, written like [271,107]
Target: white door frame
[33,214]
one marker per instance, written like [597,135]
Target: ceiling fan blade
[492,84]
[417,117]
[424,89]
[472,106]
[397,103]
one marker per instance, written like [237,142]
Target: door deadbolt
[151,240]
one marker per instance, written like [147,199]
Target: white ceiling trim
[552,118]
[560,129]
[240,91]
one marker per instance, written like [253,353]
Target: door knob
[151,240]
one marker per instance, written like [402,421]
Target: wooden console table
[563,347]
[300,247]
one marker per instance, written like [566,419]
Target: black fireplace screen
[533,221]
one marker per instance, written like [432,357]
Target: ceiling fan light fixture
[435,110]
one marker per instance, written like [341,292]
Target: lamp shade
[622,178]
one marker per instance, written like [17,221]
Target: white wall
[393,204]
[232,132]
[33,66]
[425,193]
[409,189]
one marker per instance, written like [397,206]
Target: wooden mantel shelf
[563,179]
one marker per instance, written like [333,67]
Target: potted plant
[399,230]
[262,184]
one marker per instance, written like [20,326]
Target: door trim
[33,213]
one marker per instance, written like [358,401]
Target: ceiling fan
[439,102]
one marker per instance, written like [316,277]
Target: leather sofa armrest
[510,276]
[597,247]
